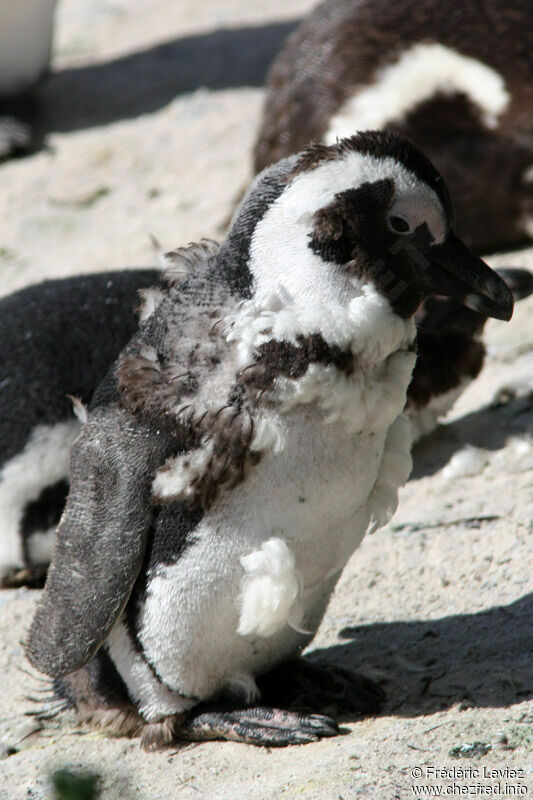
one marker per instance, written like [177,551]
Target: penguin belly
[313,498]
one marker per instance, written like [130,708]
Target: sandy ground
[152,117]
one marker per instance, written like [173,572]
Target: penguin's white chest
[204,620]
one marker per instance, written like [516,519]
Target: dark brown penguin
[456,78]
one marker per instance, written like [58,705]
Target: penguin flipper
[100,542]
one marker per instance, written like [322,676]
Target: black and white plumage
[456,78]
[58,340]
[26,29]
[246,440]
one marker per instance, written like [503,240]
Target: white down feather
[271,590]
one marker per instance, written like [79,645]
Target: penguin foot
[262,726]
[310,687]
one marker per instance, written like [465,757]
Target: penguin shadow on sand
[147,80]
[490,427]
[471,660]
[425,666]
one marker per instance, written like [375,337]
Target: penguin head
[371,208]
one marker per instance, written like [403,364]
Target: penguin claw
[307,686]
[262,726]
[321,722]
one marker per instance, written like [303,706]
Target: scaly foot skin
[303,685]
[261,726]
[299,685]
[267,727]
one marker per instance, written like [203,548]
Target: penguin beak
[455,272]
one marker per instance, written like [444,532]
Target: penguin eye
[398,224]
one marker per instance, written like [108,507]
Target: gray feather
[100,542]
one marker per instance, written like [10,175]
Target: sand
[151,117]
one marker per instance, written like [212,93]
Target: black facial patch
[399,275]
[483,167]
[352,232]
[353,219]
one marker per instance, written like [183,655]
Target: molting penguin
[57,339]
[26,29]
[243,444]
[456,78]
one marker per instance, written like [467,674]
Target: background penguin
[58,340]
[26,28]
[456,78]
[450,353]
[245,441]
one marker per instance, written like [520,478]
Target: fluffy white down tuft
[369,399]
[79,409]
[468,461]
[174,480]
[269,434]
[350,327]
[151,299]
[373,395]
[271,588]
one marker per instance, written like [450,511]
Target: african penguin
[244,442]
[456,78]
[26,28]
[39,332]
[57,341]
